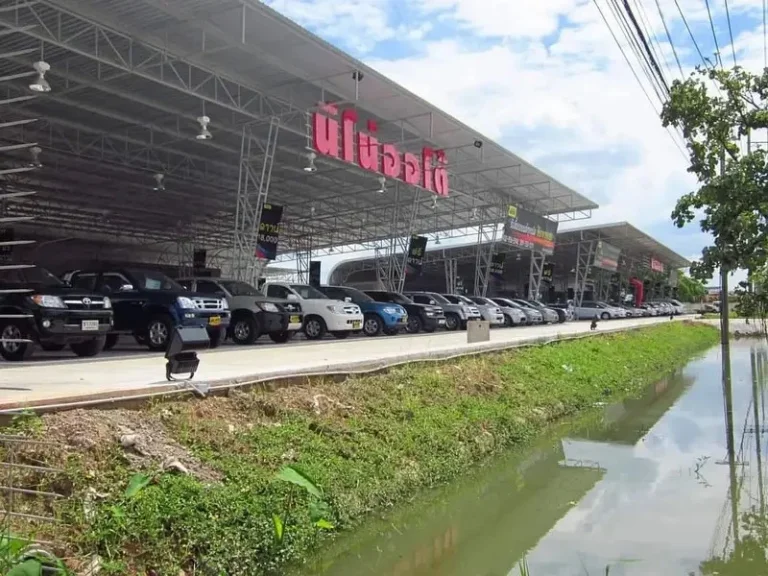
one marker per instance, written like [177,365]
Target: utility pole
[724,310]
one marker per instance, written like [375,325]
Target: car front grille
[208,303]
[84,303]
[292,307]
[351,310]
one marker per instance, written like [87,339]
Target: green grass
[367,443]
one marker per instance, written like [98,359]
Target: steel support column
[487,232]
[605,286]
[585,254]
[304,256]
[535,273]
[451,274]
[252,192]
[402,265]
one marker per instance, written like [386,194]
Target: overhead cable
[718,56]
[669,38]
[730,31]
[706,62]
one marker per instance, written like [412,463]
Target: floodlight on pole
[159,182]
[40,84]
[204,133]
[310,167]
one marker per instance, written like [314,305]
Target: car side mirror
[126,288]
[347,299]
[292,297]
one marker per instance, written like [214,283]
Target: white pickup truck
[321,314]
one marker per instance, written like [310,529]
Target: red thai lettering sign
[656,265]
[364,149]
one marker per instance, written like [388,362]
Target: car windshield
[439,298]
[452,299]
[308,292]
[355,294]
[399,298]
[524,304]
[465,300]
[238,288]
[36,276]
[151,280]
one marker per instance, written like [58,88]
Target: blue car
[378,316]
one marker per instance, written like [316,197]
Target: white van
[321,314]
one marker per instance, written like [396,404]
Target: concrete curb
[287,377]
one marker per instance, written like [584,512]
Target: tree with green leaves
[717,110]
[690,289]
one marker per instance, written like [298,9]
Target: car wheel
[245,330]
[341,334]
[314,328]
[605,316]
[452,322]
[89,347]
[14,351]
[281,337]
[50,347]
[111,341]
[159,330]
[372,325]
[414,325]
[216,337]
[508,322]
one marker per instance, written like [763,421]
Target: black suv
[420,316]
[149,305]
[50,314]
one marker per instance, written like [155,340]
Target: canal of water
[670,483]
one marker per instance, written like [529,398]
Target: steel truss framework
[129,81]
[487,233]
[535,274]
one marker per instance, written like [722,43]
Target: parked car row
[90,310]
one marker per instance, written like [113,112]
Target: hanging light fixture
[437,238]
[204,134]
[310,167]
[35,152]
[159,182]
[40,84]
[434,202]
[382,185]
[473,214]
[519,257]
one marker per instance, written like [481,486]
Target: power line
[714,34]
[657,82]
[669,38]
[765,35]
[658,51]
[634,73]
[690,33]
[730,31]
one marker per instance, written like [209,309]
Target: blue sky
[546,79]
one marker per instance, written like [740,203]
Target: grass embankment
[367,442]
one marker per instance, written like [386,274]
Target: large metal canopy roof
[129,79]
[629,239]
[633,243]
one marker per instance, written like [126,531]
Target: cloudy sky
[546,79]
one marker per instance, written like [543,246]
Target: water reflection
[671,483]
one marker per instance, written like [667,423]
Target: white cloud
[546,79]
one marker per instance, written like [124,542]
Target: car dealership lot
[55,378]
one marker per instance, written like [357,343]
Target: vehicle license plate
[90,325]
[294,319]
[441,321]
[356,325]
[214,320]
